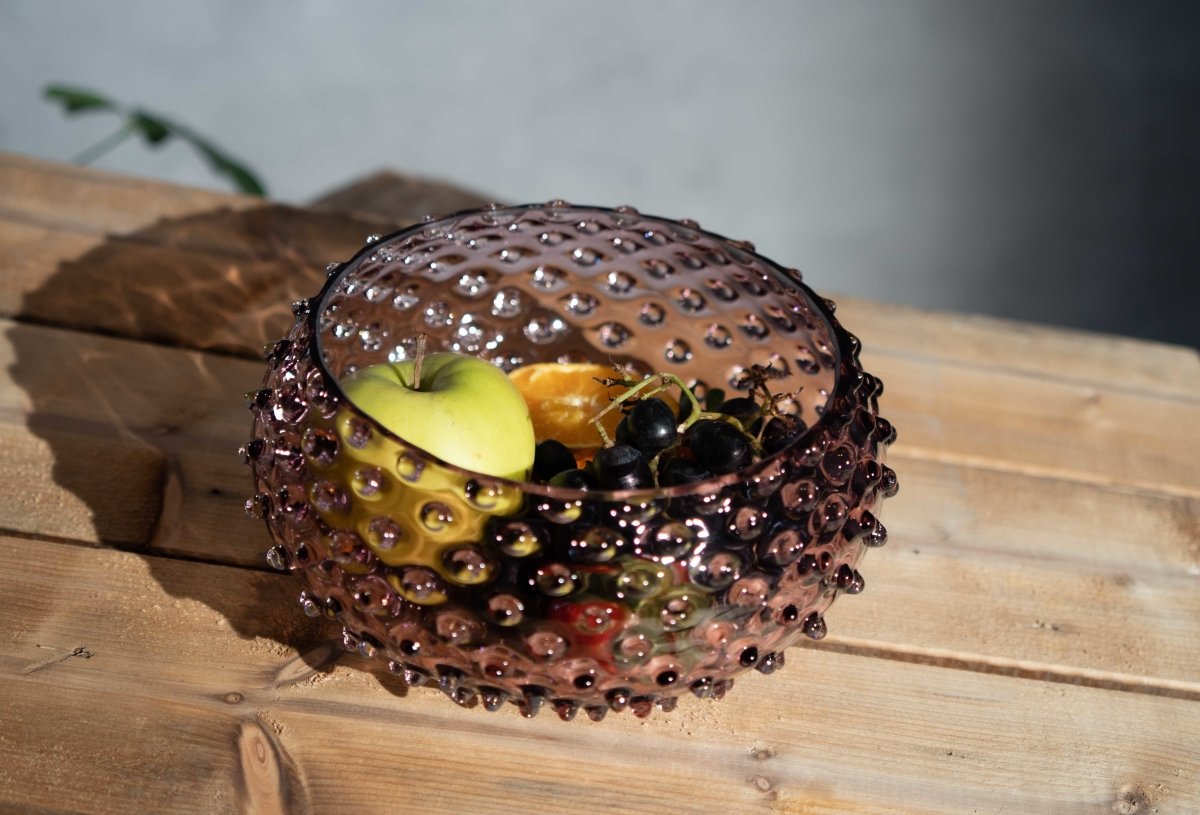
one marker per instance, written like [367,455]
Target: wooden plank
[992,344]
[1049,523]
[190,267]
[83,199]
[1026,618]
[46,208]
[125,443]
[1009,418]
[193,670]
[220,279]
[1039,427]
[756,755]
[235,304]
[979,422]
[80,487]
[133,445]
[102,752]
[982,590]
[391,196]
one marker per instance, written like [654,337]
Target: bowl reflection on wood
[497,591]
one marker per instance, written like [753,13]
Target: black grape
[550,458]
[718,445]
[649,426]
[676,471]
[620,467]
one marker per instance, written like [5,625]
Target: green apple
[464,410]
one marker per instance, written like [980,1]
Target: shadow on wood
[147,458]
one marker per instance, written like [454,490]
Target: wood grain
[222,280]
[854,734]
[1027,642]
[87,200]
[1039,428]
[390,196]
[990,344]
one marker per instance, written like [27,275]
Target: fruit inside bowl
[460,408]
[675,479]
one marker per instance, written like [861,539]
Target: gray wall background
[1037,160]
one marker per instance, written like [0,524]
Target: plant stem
[109,142]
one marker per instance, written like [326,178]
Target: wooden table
[1029,641]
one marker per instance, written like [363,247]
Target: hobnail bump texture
[498,591]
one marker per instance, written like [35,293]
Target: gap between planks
[1001,666]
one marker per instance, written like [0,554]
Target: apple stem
[419,357]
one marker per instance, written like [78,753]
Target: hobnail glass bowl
[497,591]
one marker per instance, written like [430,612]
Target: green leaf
[153,129]
[77,100]
[245,181]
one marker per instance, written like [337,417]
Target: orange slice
[563,398]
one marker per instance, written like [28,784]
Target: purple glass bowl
[497,591]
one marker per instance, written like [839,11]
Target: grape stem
[757,377]
[631,390]
[662,382]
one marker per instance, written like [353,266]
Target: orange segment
[563,398]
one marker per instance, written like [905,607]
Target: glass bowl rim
[566,494]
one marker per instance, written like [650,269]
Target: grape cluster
[656,446]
